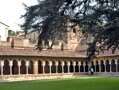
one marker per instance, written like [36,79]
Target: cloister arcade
[40,66]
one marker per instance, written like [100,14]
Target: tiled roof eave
[44,56]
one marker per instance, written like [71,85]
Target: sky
[11,10]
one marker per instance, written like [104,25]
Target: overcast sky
[11,10]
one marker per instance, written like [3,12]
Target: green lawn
[64,84]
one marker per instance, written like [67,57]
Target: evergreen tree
[97,17]
[46,18]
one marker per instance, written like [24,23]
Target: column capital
[50,63]
[43,63]
[2,63]
[27,63]
[110,62]
[104,61]
[19,62]
[35,62]
[74,63]
[79,63]
[99,62]
[68,63]
[56,63]
[116,61]
[11,62]
[62,63]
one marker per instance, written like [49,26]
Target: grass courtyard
[86,83]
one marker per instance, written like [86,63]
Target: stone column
[50,64]
[79,64]
[105,64]
[94,62]
[116,62]
[56,63]
[62,66]
[43,64]
[89,64]
[19,64]
[84,63]
[110,65]
[27,64]
[99,65]
[35,67]
[10,64]
[2,64]
[68,63]
[74,64]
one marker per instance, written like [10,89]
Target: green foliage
[10,32]
[101,19]
[46,18]
[97,17]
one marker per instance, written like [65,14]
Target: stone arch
[53,67]
[81,67]
[118,64]
[107,66]
[97,66]
[14,67]
[86,66]
[23,67]
[65,67]
[6,68]
[102,66]
[113,65]
[47,67]
[30,67]
[71,66]
[76,67]
[92,65]
[40,67]
[59,67]
[0,67]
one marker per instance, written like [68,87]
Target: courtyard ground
[83,83]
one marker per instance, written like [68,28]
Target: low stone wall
[40,76]
[8,78]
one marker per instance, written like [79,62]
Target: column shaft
[56,66]
[2,64]
[27,64]
[74,64]
[50,64]
[10,64]
[19,64]
[62,66]
[35,67]
[68,66]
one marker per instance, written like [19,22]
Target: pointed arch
[59,67]
[71,66]
[53,67]
[97,66]
[47,67]
[30,67]
[86,66]
[102,66]
[107,66]
[6,68]
[40,67]
[113,65]
[81,67]
[92,65]
[76,67]
[15,67]
[65,67]
[23,67]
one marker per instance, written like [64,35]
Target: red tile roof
[44,53]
